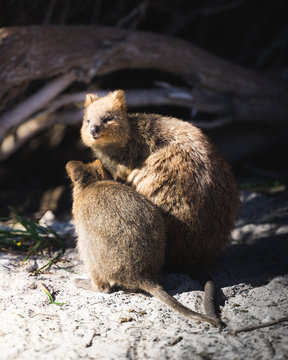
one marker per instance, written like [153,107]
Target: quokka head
[83,175]
[105,120]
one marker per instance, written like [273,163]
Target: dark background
[253,34]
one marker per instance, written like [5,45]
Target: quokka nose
[94,130]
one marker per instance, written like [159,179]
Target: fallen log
[62,55]
[37,52]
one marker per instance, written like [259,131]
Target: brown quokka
[121,235]
[174,165]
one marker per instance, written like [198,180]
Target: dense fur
[109,219]
[121,235]
[174,165]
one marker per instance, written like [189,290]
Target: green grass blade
[33,238]
[50,297]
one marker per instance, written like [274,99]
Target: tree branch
[35,102]
[32,127]
[50,51]
[229,92]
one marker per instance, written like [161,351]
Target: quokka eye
[87,121]
[107,119]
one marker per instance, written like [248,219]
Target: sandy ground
[252,273]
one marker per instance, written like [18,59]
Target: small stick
[259,326]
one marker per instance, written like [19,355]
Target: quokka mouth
[96,136]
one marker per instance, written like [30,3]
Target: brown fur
[121,235]
[174,165]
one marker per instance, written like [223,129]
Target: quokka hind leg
[84,284]
[93,285]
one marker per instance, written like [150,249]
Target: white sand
[253,275]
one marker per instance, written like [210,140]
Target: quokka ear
[81,174]
[119,98]
[75,170]
[102,173]
[90,98]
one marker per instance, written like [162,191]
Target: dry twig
[259,326]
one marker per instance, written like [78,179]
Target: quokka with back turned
[121,236]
